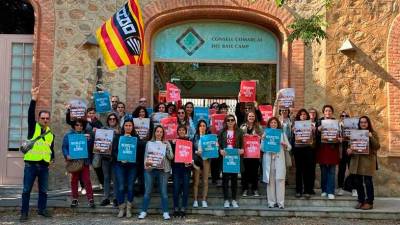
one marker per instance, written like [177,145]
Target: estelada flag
[173,93]
[121,38]
[248,91]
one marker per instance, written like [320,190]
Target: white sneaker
[331,196]
[195,204]
[244,193]
[340,192]
[204,204]
[83,191]
[235,204]
[166,216]
[256,194]
[323,194]
[354,193]
[226,204]
[142,215]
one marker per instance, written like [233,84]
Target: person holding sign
[303,153]
[124,150]
[363,166]
[157,165]
[328,151]
[314,119]
[251,165]
[189,109]
[77,145]
[230,137]
[274,166]
[181,169]
[201,165]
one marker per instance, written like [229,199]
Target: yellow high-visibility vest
[41,149]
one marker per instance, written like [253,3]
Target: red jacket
[328,154]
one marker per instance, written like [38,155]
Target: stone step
[384,209]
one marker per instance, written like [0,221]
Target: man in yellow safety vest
[38,159]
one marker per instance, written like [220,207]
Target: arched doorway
[207,59]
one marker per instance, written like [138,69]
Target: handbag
[73,166]
[27,145]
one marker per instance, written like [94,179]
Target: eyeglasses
[112,118]
[230,120]
[45,118]
[181,112]
[344,116]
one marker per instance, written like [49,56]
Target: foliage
[308,29]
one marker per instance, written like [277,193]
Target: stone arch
[160,13]
[43,49]
[393,61]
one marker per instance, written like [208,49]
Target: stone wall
[74,69]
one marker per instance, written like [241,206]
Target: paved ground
[88,219]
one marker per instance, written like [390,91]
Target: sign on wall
[207,41]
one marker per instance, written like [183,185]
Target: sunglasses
[344,116]
[112,118]
[142,101]
[230,120]
[45,118]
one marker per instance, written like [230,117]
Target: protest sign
[103,141]
[77,109]
[162,96]
[247,91]
[77,146]
[127,148]
[251,145]
[183,151]
[217,123]
[272,140]
[170,125]
[348,125]
[286,98]
[102,101]
[359,141]
[329,131]
[157,117]
[201,113]
[142,127]
[209,145]
[266,112]
[303,132]
[155,153]
[149,111]
[173,93]
[231,161]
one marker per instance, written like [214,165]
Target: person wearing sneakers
[230,137]
[181,175]
[251,126]
[274,168]
[328,157]
[125,172]
[78,127]
[363,166]
[156,170]
[203,168]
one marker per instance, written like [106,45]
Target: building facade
[195,42]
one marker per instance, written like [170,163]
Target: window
[20,86]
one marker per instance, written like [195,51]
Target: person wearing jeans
[154,169]
[125,172]
[230,137]
[84,174]
[38,159]
[328,157]
[363,166]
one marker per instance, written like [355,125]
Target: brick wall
[393,61]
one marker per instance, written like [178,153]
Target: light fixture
[347,46]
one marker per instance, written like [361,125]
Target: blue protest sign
[127,149]
[77,146]
[201,113]
[149,111]
[102,101]
[231,162]
[209,146]
[272,140]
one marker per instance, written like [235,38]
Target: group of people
[124,177]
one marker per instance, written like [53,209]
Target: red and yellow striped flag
[121,38]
